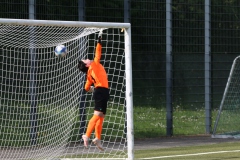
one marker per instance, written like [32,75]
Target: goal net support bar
[226,124]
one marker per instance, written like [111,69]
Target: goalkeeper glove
[100,39]
[91,89]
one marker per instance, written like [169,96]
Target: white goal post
[44,108]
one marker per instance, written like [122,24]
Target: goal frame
[126,27]
[214,135]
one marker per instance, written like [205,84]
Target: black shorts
[101,96]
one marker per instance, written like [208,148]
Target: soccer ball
[60,51]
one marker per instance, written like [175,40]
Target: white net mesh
[43,107]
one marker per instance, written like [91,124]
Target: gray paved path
[167,142]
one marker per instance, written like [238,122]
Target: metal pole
[82,104]
[127,8]
[81,10]
[169,68]
[126,20]
[33,94]
[207,68]
[129,93]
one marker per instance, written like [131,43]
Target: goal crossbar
[63,23]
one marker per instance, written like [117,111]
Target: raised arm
[98,52]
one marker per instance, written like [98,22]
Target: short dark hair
[82,66]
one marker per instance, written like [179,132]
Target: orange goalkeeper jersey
[96,73]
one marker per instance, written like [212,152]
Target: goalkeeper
[96,75]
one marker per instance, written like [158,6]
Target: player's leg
[98,132]
[101,97]
[98,128]
[90,128]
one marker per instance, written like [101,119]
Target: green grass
[185,151]
[151,122]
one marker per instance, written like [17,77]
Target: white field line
[195,154]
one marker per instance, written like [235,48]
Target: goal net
[44,108]
[226,124]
